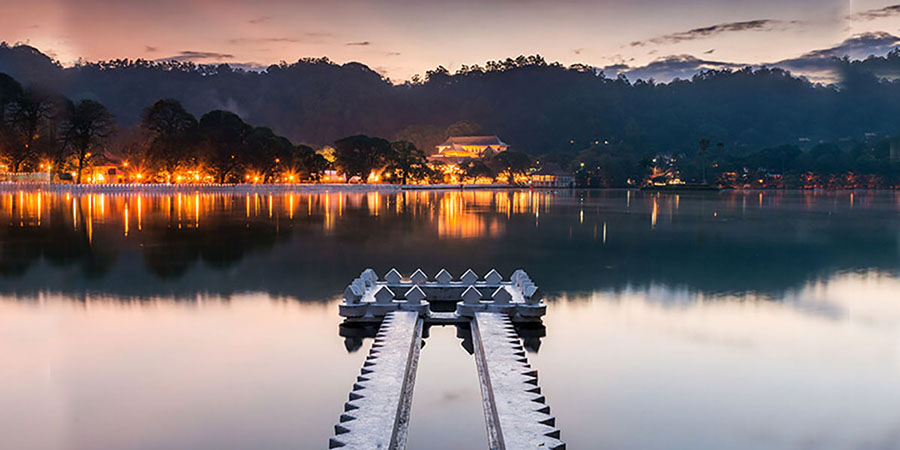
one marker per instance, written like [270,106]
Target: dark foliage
[537,106]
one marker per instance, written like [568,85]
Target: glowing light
[291,206]
[196,210]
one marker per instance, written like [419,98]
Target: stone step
[516,414]
[377,413]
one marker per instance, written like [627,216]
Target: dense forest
[609,128]
[538,107]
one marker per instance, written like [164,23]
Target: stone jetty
[376,415]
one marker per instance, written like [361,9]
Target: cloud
[391,53]
[668,68]
[249,66]
[705,32]
[308,37]
[260,20]
[360,43]
[195,56]
[872,14]
[242,41]
[821,65]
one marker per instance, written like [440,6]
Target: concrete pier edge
[376,416]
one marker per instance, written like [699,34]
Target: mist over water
[748,320]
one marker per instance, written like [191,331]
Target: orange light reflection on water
[453,214]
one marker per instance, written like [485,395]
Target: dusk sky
[400,38]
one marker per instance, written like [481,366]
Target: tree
[87,124]
[27,114]
[473,169]
[406,161]
[10,94]
[359,155]
[174,134]
[267,153]
[703,153]
[131,145]
[310,162]
[223,137]
[511,163]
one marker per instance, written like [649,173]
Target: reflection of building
[458,148]
[551,175]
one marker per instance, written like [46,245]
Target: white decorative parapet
[516,414]
[377,413]
[369,299]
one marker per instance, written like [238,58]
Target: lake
[739,320]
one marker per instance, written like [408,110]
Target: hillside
[536,106]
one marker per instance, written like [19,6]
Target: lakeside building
[458,148]
[552,175]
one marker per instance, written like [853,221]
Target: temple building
[553,176]
[458,148]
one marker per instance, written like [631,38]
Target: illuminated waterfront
[209,320]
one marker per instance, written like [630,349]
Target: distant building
[551,175]
[25,177]
[103,174]
[457,148]
[895,151]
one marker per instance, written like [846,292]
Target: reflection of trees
[20,247]
[315,254]
[171,251]
[23,242]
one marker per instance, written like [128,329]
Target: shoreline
[297,187]
[345,187]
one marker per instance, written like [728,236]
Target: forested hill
[536,106]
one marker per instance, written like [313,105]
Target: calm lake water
[738,320]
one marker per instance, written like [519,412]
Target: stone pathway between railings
[377,413]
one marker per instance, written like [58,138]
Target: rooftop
[473,140]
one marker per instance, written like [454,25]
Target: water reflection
[355,334]
[741,320]
[667,368]
[303,244]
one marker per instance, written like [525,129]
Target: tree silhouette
[511,163]
[267,153]
[406,161]
[174,134]
[359,155]
[86,125]
[223,137]
[26,115]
